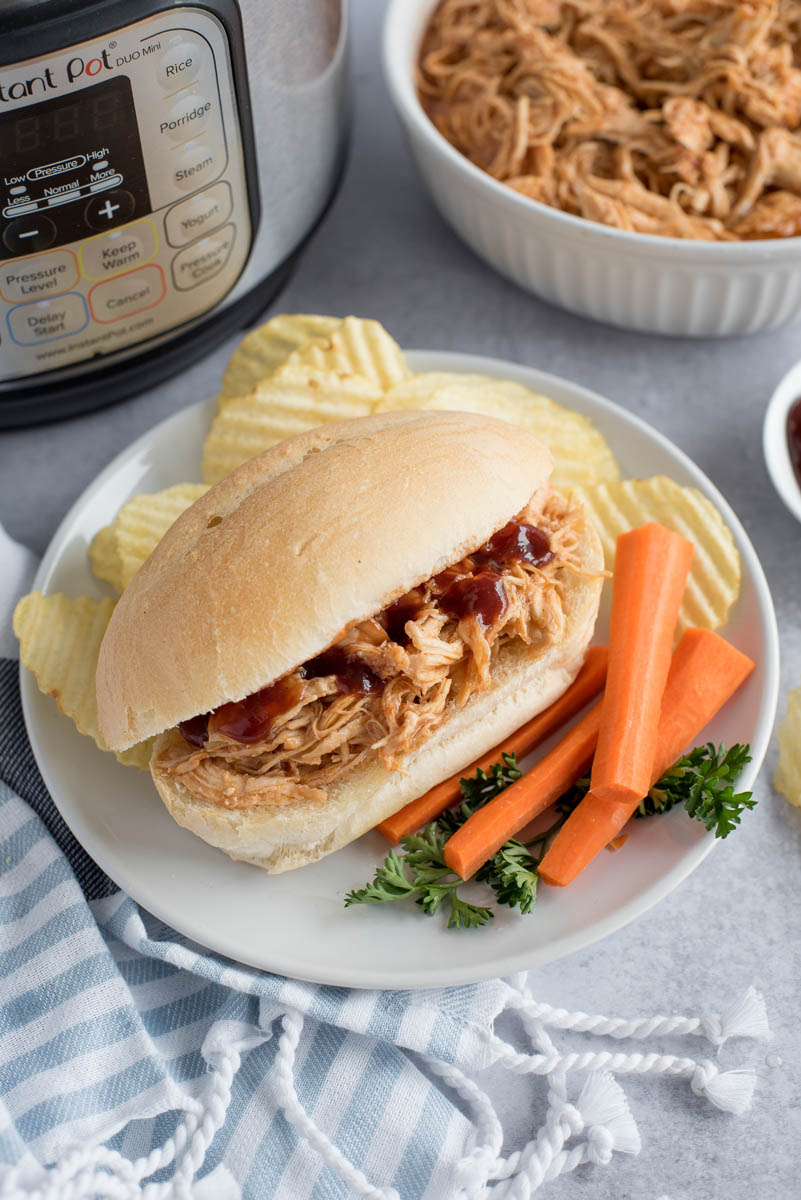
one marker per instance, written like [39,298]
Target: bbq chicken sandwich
[343,622]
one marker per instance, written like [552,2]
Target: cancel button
[127,294]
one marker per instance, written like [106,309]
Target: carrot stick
[705,672]
[585,687]
[488,829]
[651,567]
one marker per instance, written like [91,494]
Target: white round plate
[774,440]
[296,923]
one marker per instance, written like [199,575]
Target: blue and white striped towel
[134,1063]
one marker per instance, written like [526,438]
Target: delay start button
[203,260]
[199,214]
[127,294]
[46,320]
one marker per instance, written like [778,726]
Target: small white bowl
[774,440]
[657,285]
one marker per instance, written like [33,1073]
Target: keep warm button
[127,294]
[203,260]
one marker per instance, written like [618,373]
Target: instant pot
[160,166]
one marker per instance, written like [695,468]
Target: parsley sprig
[702,782]
[421,873]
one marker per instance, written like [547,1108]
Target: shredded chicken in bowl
[417,659]
[671,117]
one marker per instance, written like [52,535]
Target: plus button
[116,206]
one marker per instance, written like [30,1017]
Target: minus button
[29,234]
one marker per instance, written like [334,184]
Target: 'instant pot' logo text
[75,68]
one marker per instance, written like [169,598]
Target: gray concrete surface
[383,251]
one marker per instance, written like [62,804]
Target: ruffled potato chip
[274,411]
[59,641]
[787,779]
[143,521]
[104,557]
[356,347]
[118,551]
[266,347]
[714,581]
[581,455]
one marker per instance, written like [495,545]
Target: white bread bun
[526,680]
[274,563]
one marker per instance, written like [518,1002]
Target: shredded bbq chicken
[418,666]
[671,117]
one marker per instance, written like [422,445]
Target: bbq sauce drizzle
[481,595]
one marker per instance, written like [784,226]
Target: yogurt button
[195,165]
[188,116]
[179,64]
[199,214]
[127,294]
[46,320]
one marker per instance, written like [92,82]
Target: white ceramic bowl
[774,440]
[653,284]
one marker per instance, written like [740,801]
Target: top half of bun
[277,560]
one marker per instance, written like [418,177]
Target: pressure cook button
[121,250]
[40,276]
[179,64]
[127,294]
[195,165]
[46,320]
[198,214]
[203,260]
[28,234]
[187,117]
[108,209]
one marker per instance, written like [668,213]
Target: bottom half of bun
[281,837]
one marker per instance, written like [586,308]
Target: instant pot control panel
[125,208]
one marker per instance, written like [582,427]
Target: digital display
[64,123]
[62,160]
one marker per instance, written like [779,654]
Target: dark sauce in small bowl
[794,438]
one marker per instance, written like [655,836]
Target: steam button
[195,165]
[180,64]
